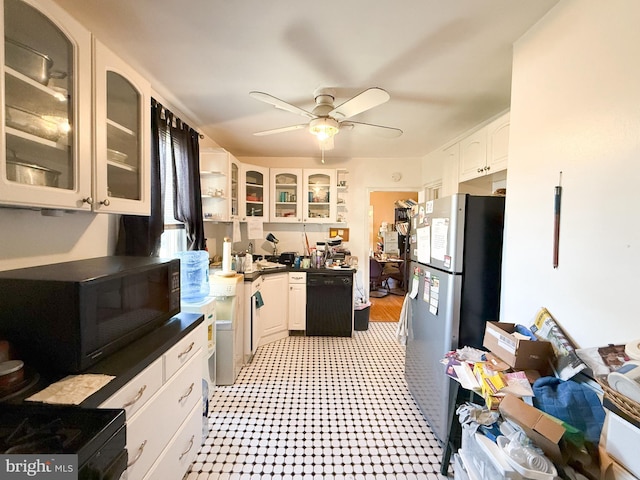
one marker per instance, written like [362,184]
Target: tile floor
[320,408]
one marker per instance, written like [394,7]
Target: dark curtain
[187,199]
[140,235]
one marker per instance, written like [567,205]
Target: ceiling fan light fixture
[323,128]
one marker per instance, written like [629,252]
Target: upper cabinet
[46,159]
[319,197]
[235,187]
[485,151]
[286,197]
[254,192]
[122,131]
[216,184]
[75,122]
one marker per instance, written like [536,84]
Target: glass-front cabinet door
[46,113]
[122,127]
[255,192]
[320,196]
[286,195]
[235,187]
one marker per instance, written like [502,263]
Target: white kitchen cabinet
[273,314]
[286,195]
[342,188]
[122,136]
[162,403]
[498,144]
[254,192]
[215,184]
[76,138]
[297,300]
[319,196]
[485,151]
[234,166]
[473,155]
[47,131]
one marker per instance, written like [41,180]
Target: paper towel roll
[226,255]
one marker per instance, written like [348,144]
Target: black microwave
[67,316]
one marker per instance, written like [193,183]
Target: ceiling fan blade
[370,98]
[377,130]
[280,130]
[281,104]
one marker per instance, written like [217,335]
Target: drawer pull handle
[188,449]
[138,454]
[136,398]
[186,394]
[187,350]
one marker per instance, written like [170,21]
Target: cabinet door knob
[186,394]
[188,448]
[138,454]
[105,202]
[488,167]
[136,398]
[88,200]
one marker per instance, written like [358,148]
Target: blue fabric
[571,402]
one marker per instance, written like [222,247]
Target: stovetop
[34,428]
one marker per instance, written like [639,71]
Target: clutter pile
[541,420]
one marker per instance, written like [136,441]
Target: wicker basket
[624,403]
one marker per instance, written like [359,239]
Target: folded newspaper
[567,363]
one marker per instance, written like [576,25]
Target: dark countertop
[131,359]
[249,277]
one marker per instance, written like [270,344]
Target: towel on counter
[72,390]
[402,331]
[571,402]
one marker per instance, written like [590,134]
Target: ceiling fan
[327,120]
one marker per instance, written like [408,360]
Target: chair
[394,271]
[377,279]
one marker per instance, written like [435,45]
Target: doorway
[383,239]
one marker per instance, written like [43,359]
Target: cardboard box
[545,432]
[519,354]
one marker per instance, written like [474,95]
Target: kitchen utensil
[30,62]
[32,123]
[11,372]
[116,156]
[31,174]
[27,61]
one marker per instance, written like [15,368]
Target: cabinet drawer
[136,392]
[175,459]
[151,429]
[181,352]
[297,277]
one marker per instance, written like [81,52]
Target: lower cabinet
[297,300]
[273,314]
[163,404]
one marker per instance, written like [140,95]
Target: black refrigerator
[454,288]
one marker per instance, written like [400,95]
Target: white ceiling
[445,63]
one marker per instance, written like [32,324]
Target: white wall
[576,108]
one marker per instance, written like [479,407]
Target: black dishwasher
[330,303]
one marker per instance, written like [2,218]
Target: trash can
[361,316]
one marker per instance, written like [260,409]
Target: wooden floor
[385,309]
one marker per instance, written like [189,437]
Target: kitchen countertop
[131,359]
[249,277]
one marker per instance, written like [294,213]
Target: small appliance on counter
[66,317]
[287,258]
